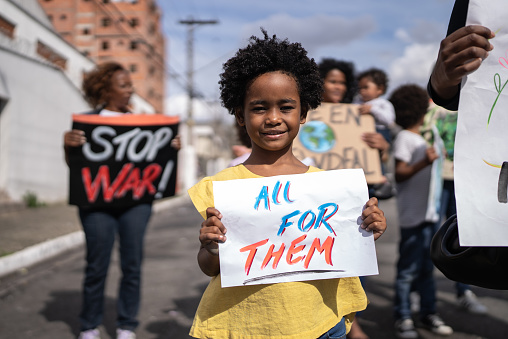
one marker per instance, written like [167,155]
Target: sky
[399,36]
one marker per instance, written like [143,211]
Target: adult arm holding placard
[460,54]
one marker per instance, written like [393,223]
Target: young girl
[269,86]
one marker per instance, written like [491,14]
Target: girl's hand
[74,138]
[373,218]
[212,231]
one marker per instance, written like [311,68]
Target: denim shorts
[336,332]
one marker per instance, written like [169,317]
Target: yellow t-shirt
[290,310]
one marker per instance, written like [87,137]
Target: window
[134,45]
[134,22]
[105,1]
[86,31]
[133,68]
[6,27]
[105,22]
[105,45]
[63,17]
[51,55]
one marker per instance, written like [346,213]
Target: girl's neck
[270,163]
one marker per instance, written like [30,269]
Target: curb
[50,248]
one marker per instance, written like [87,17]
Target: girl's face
[271,112]
[335,86]
[120,92]
[368,90]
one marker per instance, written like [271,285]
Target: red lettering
[102,178]
[130,183]
[150,173]
[129,178]
[295,249]
[253,249]
[276,255]
[316,245]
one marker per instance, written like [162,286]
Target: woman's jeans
[101,227]
[415,269]
[337,332]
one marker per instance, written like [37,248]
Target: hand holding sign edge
[373,218]
[212,231]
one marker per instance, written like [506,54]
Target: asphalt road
[44,302]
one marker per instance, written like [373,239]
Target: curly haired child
[413,159]
[269,86]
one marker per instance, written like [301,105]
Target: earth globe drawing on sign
[317,136]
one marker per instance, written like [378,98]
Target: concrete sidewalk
[30,235]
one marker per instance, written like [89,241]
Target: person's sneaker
[405,328]
[90,334]
[414,302]
[469,302]
[125,334]
[434,323]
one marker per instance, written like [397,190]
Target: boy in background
[413,175]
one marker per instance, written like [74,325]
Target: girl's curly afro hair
[346,67]
[270,55]
[410,103]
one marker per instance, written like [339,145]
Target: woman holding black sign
[108,89]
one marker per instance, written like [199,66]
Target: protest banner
[294,228]
[331,137]
[126,159]
[481,151]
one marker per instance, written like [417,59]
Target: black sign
[126,160]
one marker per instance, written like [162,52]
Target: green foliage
[31,200]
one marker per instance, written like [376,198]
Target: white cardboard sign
[481,150]
[294,228]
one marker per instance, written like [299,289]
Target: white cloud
[414,66]
[403,35]
[314,31]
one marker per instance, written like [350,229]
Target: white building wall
[32,124]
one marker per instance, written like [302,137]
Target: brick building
[127,31]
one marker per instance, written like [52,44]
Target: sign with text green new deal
[332,138]
[126,159]
[294,228]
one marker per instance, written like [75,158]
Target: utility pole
[191,26]
[189,154]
